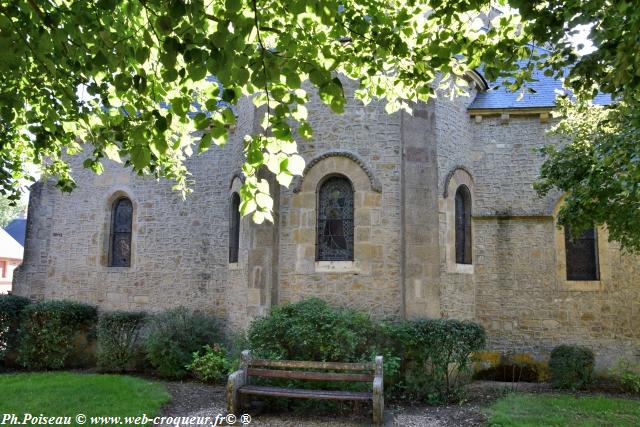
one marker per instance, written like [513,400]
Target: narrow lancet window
[463,225]
[335,220]
[234,228]
[120,241]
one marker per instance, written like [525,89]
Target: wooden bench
[239,384]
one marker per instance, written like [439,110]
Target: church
[429,214]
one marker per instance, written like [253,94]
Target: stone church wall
[518,288]
[455,167]
[179,248]
[362,144]
[527,307]
[405,171]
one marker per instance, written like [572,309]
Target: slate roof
[17,229]
[544,95]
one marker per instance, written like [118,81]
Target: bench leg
[378,401]
[234,399]
[378,410]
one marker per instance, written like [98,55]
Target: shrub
[312,330]
[119,339]
[53,333]
[626,375]
[212,365]
[571,367]
[436,355]
[11,307]
[173,337]
[425,358]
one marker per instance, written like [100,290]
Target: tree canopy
[598,166]
[122,79]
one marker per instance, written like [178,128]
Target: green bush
[174,336]
[55,334]
[119,340]
[571,367]
[212,365]
[626,375]
[11,307]
[426,359]
[436,355]
[312,330]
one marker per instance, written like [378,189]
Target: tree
[131,56]
[128,57]
[598,168]
[613,67]
[10,210]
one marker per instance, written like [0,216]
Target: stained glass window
[234,228]
[121,218]
[582,255]
[463,225]
[335,220]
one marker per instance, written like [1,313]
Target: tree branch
[262,27]
[264,64]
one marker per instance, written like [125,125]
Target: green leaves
[598,170]
[127,76]
[332,94]
[140,156]
[233,6]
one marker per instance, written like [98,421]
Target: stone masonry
[405,170]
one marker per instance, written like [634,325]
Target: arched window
[582,255]
[120,239]
[234,228]
[463,225]
[335,220]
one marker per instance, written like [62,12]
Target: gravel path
[191,399]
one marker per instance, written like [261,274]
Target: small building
[10,257]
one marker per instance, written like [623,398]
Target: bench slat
[312,365]
[305,394]
[300,375]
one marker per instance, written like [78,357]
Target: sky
[582,38]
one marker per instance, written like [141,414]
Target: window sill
[234,266]
[337,267]
[583,285]
[463,269]
[111,269]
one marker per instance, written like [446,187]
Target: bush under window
[425,359]
[119,342]
[211,365]
[174,336]
[436,356]
[627,375]
[571,367]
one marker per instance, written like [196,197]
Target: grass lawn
[68,394]
[562,410]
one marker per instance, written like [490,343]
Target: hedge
[426,359]
[119,343]
[11,307]
[174,335]
[571,366]
[55,334]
